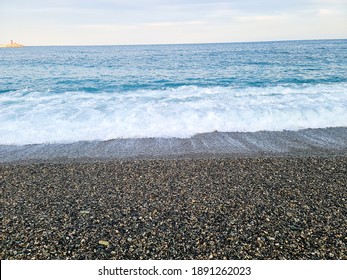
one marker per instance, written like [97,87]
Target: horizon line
[193,43]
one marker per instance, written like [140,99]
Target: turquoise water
[69,94]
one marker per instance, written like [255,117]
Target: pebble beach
[223,207]
[174,151]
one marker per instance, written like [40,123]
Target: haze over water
[69,94]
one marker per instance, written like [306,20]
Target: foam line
[39,118]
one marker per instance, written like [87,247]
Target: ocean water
[70,94]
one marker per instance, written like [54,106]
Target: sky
[123,22]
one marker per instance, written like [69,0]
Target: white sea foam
[29,117]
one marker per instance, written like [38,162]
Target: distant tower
[11,42]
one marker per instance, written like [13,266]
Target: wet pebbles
[221,208]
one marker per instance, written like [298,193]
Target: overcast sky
[109,22]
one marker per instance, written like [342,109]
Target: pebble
[105,243]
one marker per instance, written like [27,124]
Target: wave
[32,117]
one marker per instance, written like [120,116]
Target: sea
[97,93]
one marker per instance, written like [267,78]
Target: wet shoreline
[307,142]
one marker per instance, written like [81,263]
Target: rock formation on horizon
[11,45]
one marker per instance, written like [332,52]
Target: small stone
[104,243]
[260,242]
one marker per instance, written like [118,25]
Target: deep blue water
[67,94]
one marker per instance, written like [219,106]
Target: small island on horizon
[12,44]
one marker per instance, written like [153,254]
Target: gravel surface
[220,208]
